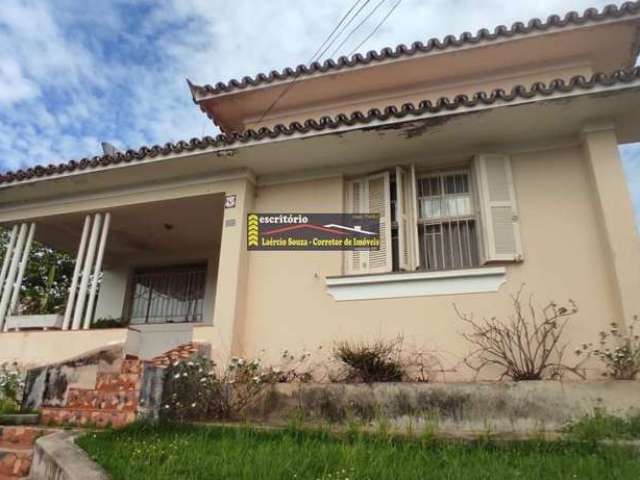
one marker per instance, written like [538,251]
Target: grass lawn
[198,452]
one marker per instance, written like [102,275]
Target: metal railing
[168,296]
[447,223]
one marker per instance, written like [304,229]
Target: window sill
[415,284]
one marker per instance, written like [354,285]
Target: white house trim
[415,284]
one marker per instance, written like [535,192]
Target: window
[435,221]
[447,236]
[167,294]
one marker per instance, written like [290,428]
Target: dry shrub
[526,346]
[618,349]
[383,361]
[378,361]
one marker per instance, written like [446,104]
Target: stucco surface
[564,258]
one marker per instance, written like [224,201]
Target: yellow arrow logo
[253,230]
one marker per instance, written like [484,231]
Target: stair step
[131,366]
[82,398]
[108,381]
[18,437]
[16,463]
[87,416]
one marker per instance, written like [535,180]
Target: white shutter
[355,203]
[370,195]
[499,226]
[379,199]
[406,216]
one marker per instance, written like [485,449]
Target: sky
[74,73]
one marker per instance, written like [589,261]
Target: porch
[145,275]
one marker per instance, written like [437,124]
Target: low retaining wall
[56,457]
[454,407]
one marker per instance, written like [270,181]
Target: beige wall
[39,348]
[564,257]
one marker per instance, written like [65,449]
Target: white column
[86,272]
[7,255]
[76,272]
[15,295]
[11,275]
[88,316]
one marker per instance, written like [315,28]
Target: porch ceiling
[183,227]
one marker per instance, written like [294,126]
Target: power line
[395,5]
[344,17]
[343,28]
[357,27]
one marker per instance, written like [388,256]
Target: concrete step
[82,398]
[87,417]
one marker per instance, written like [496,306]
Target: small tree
[527,346]
[618,350]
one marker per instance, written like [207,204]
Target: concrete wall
[525,407]
[34,348]
[565,257]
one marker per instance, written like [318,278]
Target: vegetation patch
[601,425]
[169,451]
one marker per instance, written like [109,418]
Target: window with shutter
[371,194]
[500,230]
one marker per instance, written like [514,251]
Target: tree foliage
[46,279]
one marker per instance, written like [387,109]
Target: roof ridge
[402,50]
[326,122]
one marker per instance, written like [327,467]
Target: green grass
[602,425]
[198,452]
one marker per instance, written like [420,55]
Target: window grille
[168,295]
[446,223]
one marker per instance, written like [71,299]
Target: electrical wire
[318,54]
[357,27]
[373,32]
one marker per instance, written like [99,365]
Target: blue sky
[74,73]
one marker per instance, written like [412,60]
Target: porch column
[76,272]
[615,211]
[231,290]
[14,263]
[86,274]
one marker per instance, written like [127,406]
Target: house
[491,159]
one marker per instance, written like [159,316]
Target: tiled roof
[407,111]
[535,25]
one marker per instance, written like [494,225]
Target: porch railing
[168,296]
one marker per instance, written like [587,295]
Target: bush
[378,361]
[198,389]
[619,351]
[600,425]
[11,388]
[109,322]
[526,346]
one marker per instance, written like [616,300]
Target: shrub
[11,388]
[198,389]
[600,425]
[526,346]
[109,322]
[378,361]
[619,351]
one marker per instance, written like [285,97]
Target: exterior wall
[39,347]
[565,257]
